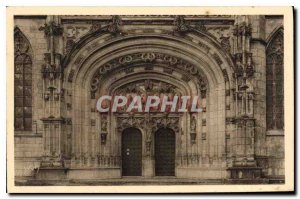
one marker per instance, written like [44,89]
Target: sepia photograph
[119,100]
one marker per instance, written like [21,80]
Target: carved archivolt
[170,62]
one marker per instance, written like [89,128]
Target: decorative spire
[52,29]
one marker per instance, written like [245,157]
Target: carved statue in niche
[51,71]
[104,122]
[225,43]
[193,129]
[238,64]
[193,124]
[249,65]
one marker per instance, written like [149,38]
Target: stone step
[140,181]
[121,181]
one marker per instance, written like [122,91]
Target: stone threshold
[137,181]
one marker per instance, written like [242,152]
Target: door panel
[131,152]
[165,152]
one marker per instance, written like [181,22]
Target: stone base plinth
[148,167]
[94,173]
[84,173]
[246,175]
[58,173]
[247,181]
[202,173]
[245,172]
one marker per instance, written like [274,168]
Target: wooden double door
[164,152]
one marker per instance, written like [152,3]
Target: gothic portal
[64,64]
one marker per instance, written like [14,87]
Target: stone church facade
[63,64]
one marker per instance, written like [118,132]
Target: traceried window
[275,92]
[22,82]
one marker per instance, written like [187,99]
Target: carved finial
[242,29]
[180,24]
[115,26]
[52,29]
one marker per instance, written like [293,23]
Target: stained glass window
[22,82]
[275,78]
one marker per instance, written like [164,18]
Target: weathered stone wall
[272,24]
[28,152]
[275,142]
[275,153]
[36,38]
[258,50]
[269,146]
[28,144]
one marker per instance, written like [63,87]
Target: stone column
[53,95]
[258,50]
[243,162]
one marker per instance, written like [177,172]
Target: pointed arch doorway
[165,152]
[131,152]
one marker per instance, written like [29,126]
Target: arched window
[275,77]
[22,82]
